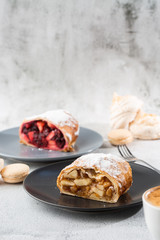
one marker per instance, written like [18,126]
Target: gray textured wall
[75,54]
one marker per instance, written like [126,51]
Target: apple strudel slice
[54,130]
[96,176]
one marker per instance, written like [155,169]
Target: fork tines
[125,152]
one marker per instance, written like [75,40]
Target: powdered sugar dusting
[69,136]
[58,117]
[77,132]
[105,162]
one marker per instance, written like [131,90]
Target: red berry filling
[41,135]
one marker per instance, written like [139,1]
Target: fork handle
[155,169]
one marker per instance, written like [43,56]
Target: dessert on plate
[96,176]
[54,130]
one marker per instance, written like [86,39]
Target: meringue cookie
[146,126]
[124,110]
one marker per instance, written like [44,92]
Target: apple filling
[43,135]
[88,184]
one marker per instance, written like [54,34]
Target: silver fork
[129,157]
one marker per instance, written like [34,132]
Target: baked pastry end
[54,130]
[96,176]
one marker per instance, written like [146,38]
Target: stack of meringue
[126,113]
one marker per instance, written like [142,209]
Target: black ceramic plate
[41,185]
[10,147]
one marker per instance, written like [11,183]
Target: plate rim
[51,159]
[78,209]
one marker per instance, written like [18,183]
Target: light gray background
[75,54]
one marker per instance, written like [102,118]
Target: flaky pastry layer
[101,177]
[66,126]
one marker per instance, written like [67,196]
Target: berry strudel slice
[54,130]
[96,176]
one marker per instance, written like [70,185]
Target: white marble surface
[74,55]
[25,218]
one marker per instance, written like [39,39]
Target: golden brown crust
[66,130]
[120,183]
[70,131]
